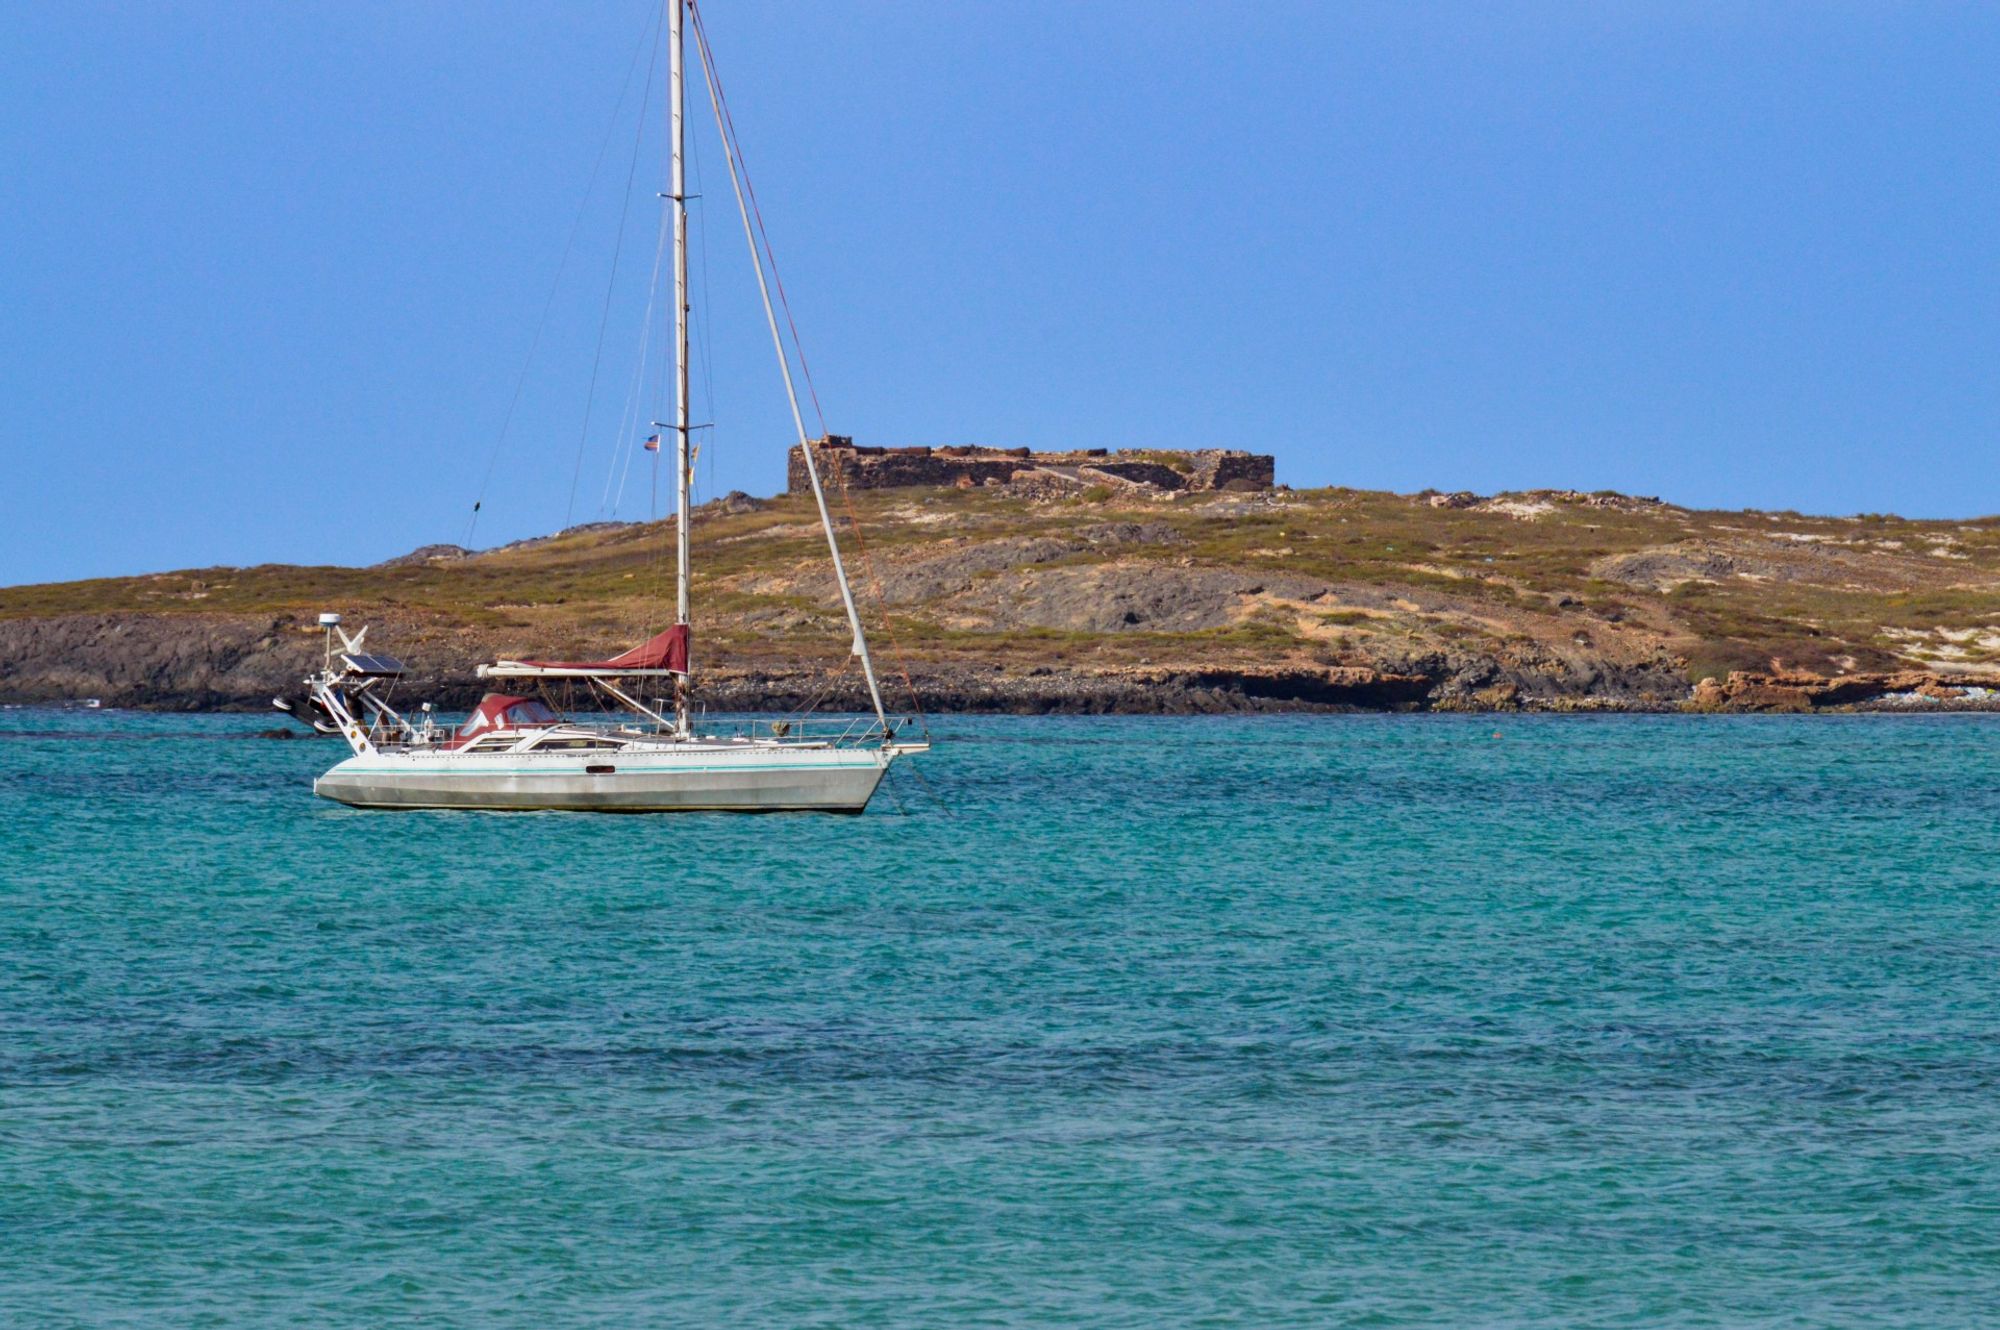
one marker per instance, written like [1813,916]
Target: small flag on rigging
[652,444]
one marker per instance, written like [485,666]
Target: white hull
[687,777]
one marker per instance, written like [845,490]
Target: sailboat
[517,750]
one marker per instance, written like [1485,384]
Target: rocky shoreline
[194,662]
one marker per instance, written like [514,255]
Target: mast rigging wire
[726,124]
[628,423]
[740,178]
[611,282]
[541,324]
[737,180]
[701,306]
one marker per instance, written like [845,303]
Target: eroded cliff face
[1166,603]
[226,662]
[180,662]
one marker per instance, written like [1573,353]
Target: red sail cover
[668,651]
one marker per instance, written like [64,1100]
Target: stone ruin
[1159,470]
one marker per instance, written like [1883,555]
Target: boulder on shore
[1802,691]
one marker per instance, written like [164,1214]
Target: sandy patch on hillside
[1944,648]
[1526,510]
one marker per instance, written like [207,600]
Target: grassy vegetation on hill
[1553,592]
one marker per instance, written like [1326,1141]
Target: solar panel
[387,667]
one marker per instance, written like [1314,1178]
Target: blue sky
[269,274]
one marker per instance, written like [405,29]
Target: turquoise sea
[1313,1021]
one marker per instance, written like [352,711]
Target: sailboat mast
[683,468]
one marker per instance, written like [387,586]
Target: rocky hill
[1108,601]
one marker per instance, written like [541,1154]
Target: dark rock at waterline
[219,662]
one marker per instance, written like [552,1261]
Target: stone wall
[963,467]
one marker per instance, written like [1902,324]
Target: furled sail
[665,653]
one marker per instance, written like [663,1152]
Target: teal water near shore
[1373,1021]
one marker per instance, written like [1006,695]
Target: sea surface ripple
[1372,1021]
